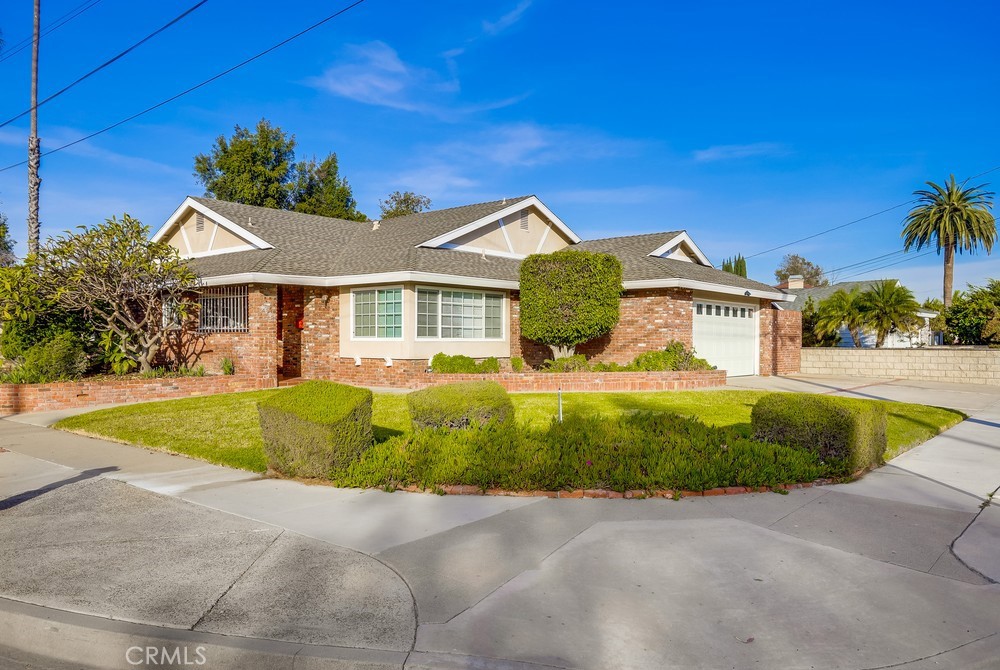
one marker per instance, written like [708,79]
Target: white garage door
[725,334]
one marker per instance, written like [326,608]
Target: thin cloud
[624,195]
[726,152]
[507,20]
[374,74]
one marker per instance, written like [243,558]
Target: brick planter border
[18,398]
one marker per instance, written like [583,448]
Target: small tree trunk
[561,352]
[949,273]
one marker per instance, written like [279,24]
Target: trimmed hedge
[459,364]
[848,434]
[460,405]
[633,451]
[316,428]
[675,356]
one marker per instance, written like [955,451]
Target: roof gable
[234,233]
[500,219]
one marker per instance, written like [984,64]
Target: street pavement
[108,550]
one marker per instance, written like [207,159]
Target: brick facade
[320,339]
[650,320]
[17,398]
[780,340]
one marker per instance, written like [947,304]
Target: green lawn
[223,429]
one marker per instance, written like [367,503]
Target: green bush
[316,428]
[227,366]
[516,363]
[647,451]
[848,434]
[59,359]
[460,405]
[459,364]
[575,363]
[675,356]
[16,336]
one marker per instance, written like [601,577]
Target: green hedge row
[637,451]
[847,434]
[459,364]
[316,429]
[675,356]
[460,405]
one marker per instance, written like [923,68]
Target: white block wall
[961,365]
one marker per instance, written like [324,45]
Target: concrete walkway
[106,546]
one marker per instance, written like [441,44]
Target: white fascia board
[925,314]
[236,229]
[491,218]
[479,251]
[219,252]
[706,286]
[359,280]
[683,237]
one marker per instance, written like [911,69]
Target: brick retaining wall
[412,374]
[17,398]
[962,365]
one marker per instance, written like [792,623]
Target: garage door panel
[725,334]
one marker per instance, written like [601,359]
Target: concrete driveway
[106,547]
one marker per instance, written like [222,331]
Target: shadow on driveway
[24,497]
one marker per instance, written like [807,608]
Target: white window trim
[439,338]
[402,306]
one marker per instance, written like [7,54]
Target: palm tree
[888,306]
[954,218]
[839,310]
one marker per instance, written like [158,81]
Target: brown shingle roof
[318,246]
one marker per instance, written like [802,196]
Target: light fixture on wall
[747,294]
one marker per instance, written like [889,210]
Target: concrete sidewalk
[109,544]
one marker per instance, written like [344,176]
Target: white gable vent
[524,220]
[199,223]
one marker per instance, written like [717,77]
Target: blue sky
[748,124]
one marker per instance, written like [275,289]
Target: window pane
[718,310]
[427,313]
[389,315]
[727,311]
[700,309]
[743,312]
[223,309]
[494,316]
[364,313]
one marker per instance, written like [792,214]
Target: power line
[196,86]
[105,64]
[863,218]
[889,265]
[864,262]
[58,23]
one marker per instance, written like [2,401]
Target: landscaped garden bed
[707,443]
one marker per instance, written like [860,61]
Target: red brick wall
[650,320]
[320,340]
[255,352]
[17,398]
[780,340]
[413,374]
[291,310]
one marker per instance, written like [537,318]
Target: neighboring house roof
[316,250]
[821,293]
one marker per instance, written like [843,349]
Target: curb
[608,494]
[89,641]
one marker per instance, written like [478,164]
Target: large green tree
[319,189]
[811,337]
[969,317]
[952,218]
[251,167]
[113,275]
[736,265]
[842,309]
[402,203]
[793,264]
[888,307]
[569,297]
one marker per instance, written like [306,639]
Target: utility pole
[34,145]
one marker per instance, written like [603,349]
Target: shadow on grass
[384,433]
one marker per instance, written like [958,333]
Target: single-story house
[298,295]
[918,337]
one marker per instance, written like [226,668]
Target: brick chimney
[796,281]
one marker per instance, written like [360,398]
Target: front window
[450,314]
[223,309]
[378,313]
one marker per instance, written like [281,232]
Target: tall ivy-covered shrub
[569,297]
